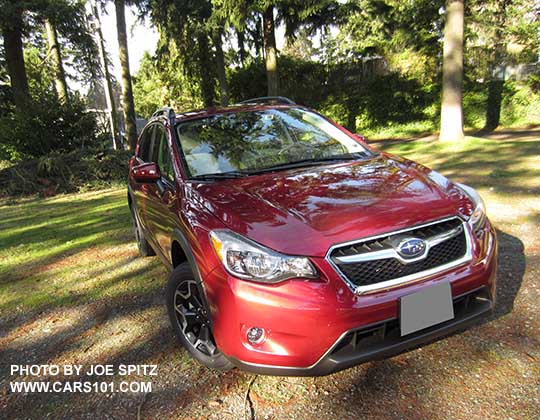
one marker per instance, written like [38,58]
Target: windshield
[247,142]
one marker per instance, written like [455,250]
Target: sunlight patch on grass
[505,165]
[70,249]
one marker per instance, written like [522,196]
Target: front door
[142,190]
[162,197]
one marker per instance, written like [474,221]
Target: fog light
[255,335]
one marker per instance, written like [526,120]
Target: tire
[145,249]
[189,316]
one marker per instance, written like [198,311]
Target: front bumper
[382,340]
[316,328]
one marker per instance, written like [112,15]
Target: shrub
[46,126]
[520,105]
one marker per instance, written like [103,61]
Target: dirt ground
[85,315]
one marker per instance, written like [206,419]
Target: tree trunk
[205,63]
[493,106]
[14,55]
[258,39]
[351,120]
[59,74]
[128,105]
[270,51]
[111,108]
[241,47]
[220,68]
[496,82]
[452,88]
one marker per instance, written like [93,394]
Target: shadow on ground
[511,269]
[399,387]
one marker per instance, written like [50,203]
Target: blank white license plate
[425,308]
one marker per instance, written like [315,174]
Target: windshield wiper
[309,162]
[220,175]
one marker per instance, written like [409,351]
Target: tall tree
[220,66]
[204,68]
[128,105]
[111,108]
[496,82]
[186,26]
[270,50]
[70,40]
[452,86]
[58,67]
[12,30]
[240,37]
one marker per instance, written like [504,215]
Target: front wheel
[190,318]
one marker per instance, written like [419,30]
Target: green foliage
[474,105]
[39,72]
[185,31]
[70,19]
[533,82]
[348,93]
[520,105]
[156,85]
[394,99]
[388,27]
[149,92]
[46,126]
[500,33]
[385,105]
[297,79]
[248,81]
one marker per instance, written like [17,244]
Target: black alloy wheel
[190,318]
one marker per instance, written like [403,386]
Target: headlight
[477,219]
[246,259]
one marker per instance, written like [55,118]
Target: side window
[161,153]
[146,144]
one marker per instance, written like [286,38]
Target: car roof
[211,111]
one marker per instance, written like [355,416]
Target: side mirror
[147,172]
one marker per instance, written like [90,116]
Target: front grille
[387,333]
[379,270]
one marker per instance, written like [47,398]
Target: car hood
[304,211]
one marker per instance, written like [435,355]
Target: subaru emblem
[411,248]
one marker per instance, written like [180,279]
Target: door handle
[161,187]
[164,192]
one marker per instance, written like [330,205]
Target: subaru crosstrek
[295,248]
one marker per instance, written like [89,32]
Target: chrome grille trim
[361,290]
[392,253]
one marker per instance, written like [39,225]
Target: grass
[397,131]
[67,250]
[486,163]
[73,290]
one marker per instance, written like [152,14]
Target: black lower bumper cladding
[382,340]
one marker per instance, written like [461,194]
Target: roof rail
[270,100]
[166,112]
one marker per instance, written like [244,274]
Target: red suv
[295,248]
